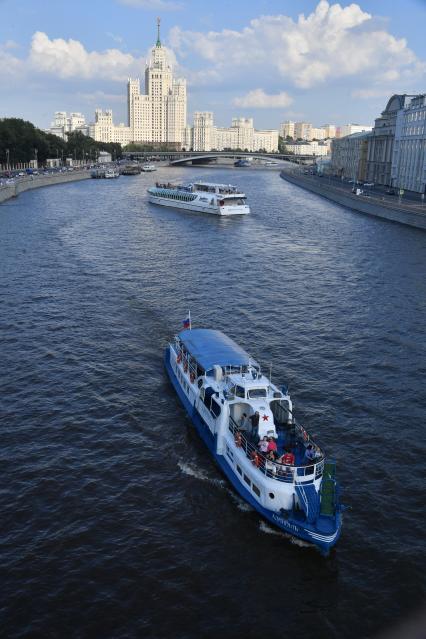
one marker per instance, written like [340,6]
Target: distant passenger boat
[203,197]
[241,415]
[148,168]
[131,169]
[112,173]
[242,163]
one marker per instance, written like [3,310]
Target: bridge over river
[179,158]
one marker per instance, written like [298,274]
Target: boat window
[239,470]
[215,408]
[256,392]
[247,479]
[256,490]
[240,391]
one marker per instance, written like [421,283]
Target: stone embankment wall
[36,181]
[359,203]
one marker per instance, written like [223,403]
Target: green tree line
[21,141]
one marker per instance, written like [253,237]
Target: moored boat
[241,163]
[131,169]
[112,172]
[248,425]
[203,197]
[148,168]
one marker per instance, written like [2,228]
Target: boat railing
[273,469]
[270,468]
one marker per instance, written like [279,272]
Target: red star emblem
[265,418]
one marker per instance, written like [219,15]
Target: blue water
[114,520]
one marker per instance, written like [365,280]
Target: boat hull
[323,540]
[198,207]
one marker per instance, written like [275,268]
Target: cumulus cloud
[260,100]
[100,97]
[69,59]
[330,43]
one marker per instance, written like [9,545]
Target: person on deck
[254,419]
[310,453]
[244,424]
[272,446]
[263,445]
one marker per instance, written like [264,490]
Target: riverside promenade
[374,201]
[21,184]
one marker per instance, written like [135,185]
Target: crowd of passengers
[267,446]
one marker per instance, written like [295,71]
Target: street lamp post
[35,157]
[7,159]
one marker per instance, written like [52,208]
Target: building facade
[380,149]
[156,117]
[393,153]
[303,131]
[409,150]
[203,131]
[103,129]
[349,156]
[64,123]
[287,129]
[349,129]
[159,115]
[240,135]
[309,148]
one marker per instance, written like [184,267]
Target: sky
[273,60]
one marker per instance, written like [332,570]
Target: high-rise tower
[159,115]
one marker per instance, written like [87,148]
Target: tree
[24,142]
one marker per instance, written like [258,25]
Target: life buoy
[192,378]
[305,435]
[238,439]
[185,367]
[179,358]
[255,458]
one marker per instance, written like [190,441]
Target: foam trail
[269,530]
[194,471]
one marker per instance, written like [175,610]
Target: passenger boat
[240,163]
[294,488]
[112,173]
[204,197]
[131,169]
[148,168]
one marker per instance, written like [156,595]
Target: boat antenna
[190,322]
[270,373]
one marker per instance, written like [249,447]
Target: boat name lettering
[285,523]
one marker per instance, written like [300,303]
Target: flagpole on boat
[189,317]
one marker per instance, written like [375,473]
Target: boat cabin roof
[223,186]
[210,347]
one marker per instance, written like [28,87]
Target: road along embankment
[8,191]
[407,215]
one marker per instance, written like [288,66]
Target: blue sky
[336,63]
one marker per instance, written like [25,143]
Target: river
[115,520]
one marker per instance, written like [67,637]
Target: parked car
[390,191]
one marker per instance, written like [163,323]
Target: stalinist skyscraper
[159,114]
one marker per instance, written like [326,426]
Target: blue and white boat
[203,197]
[295,487]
